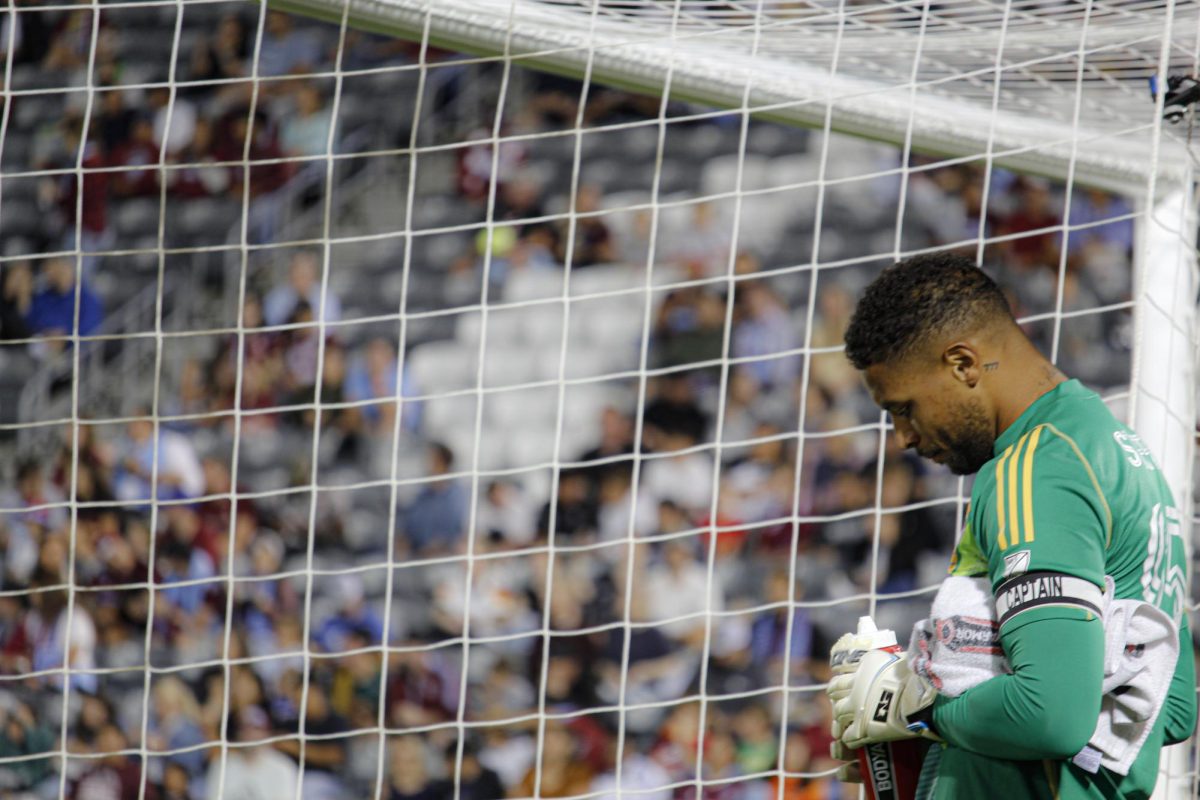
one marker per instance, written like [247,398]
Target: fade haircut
[916,298]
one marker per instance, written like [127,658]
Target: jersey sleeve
[1052,528]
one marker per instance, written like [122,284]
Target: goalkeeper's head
[941,352]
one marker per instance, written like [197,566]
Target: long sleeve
[1048,706]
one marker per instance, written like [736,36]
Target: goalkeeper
[1064,496]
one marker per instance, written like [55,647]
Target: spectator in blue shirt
[373,376]
[52,312]
[436,520]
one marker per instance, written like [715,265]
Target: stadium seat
[442,366]
[522,407]
[720,174]
[533,284]
[506,365]
[137,217]
[542,324]
[446,415]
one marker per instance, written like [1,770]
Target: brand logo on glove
[882,770]
[846,657]
[885,703]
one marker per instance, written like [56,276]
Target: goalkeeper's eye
[900,411]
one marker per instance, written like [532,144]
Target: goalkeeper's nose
[906,437]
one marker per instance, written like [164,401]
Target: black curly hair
[914,298]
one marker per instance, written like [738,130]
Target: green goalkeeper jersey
[1069,492]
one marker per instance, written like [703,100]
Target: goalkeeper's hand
[848,770]
[878,702]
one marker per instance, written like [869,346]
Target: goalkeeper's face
[934,415]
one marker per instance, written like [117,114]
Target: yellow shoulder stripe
[1014,491]
[1027,481]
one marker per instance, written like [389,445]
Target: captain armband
[1031,590]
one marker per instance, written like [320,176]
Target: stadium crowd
[669,585]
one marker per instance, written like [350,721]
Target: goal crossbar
[811,73]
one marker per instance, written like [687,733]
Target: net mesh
[384,421]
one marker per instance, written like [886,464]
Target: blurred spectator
[905,538]
[641,776]
[575,510]
[22,738]
[435,521]
[680,593]
[253,769]
[353,614]
[53,311]
[287,49]
[303,286]
[174,118]
[673,410]
[193,178]
[170,459]
[175,725]
[690,327]
[1033,220]
[507,515]
[408,771]
[115,776]
[561,773]
[703,247]
[86,216]
[305,131]
[268,169]
[16,299]
[422,688]
[114,119]
[63,634]
[475,781]
[475,165]
[771,641]
[798,757]
[325,755]
[221,54]
[373,377]
[140,156]
[757,739]
[44,504]
[765,333]
[176,783]
[594,242]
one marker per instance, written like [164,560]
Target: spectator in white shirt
[679,586]
[179,472]
[255,772]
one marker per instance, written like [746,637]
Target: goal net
[446,398]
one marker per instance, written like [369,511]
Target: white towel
[959,647]
[1141,647]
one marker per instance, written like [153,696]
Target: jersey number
[1163,581]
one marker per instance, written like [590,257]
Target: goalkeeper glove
[848,770]
[881,701]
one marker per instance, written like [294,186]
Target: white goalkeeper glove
[880,701]
[844,658]
[848,770]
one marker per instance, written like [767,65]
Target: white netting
[505,444]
